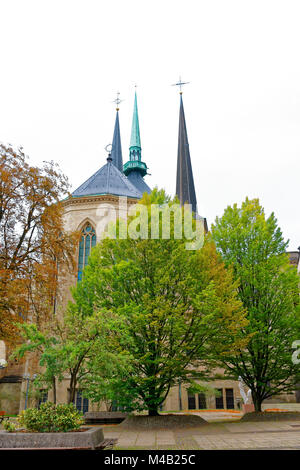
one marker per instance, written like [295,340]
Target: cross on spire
[180,84]
[117,100]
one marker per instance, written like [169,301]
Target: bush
[51,418]
[8,425]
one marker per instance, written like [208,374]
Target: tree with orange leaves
[32,239]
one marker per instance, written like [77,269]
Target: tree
[32,239]
[254,247]
[167,310]
[64,348]
[45,347]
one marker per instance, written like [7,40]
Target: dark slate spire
[185,189]
[116,151]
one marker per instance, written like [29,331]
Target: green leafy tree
[167,310]
[45,346]
[254,247]
[64,349]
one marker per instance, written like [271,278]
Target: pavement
[216,436]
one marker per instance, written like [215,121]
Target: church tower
[116,151]
[135,169]
[185,189]
[97,200]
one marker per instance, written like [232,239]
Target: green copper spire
[135,141]
[135,150]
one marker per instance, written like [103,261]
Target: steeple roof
[185,189]
[135,140]
[138,182]
[107,180]
[135,150]
[116,152]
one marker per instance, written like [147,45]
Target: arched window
[87,241]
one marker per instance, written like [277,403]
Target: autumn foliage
[32,239]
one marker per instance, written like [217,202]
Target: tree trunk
[72,389]
[153,412]
[257,404]
[54,389]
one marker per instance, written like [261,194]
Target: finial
[117,101]
[108,149]
[180,84]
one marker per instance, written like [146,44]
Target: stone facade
[99,211]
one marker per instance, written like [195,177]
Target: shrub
[9,426]
[51,418]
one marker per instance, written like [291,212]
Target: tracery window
[87,242]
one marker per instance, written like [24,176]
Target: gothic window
[87,241]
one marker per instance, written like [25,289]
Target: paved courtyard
[229,435]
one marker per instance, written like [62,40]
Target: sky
[62,63]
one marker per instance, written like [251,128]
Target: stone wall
[10,397]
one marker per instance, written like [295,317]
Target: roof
[137,180]
[107,180]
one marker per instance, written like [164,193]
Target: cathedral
[88,210]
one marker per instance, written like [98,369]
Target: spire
[116,151]
[185,189]
[135,150]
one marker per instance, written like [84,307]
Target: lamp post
[180,395]
[27,377]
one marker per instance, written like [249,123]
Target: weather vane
[117,100]
[180,84]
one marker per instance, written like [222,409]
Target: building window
[43,397]
[229,399]
[116,407]
[87,242]
[219,400]
[191,401]
[202,401]
[81,403]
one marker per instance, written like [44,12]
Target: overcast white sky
[62,63]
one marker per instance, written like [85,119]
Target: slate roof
[137,180]
[107,180]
